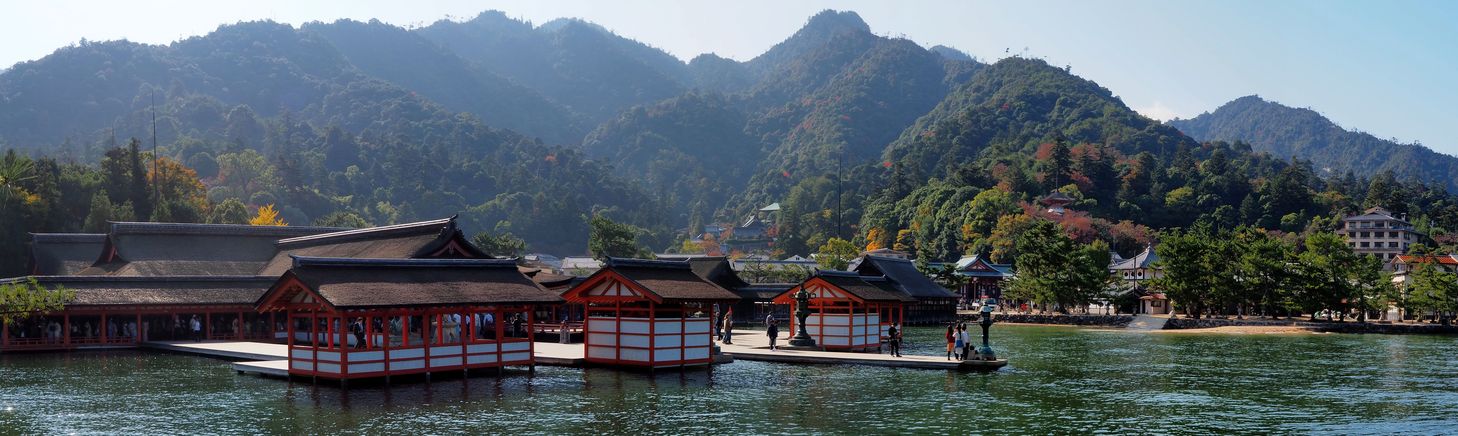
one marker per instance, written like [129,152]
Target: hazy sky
[1386,67]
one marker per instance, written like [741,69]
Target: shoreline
[1220,325]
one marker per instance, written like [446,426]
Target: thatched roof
[110,291]
[61,254]
[374,283]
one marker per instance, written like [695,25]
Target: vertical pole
[105,339]
[207,328]
[238,331]
[66,330]
[137,338]
[652,335]
[531,337]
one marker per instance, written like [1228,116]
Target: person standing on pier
[951,338]
[959,341]
[196,329]
[773,331]
[893,339]
[728,327]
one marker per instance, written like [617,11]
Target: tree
[1193,264]
[183,196]
[1056,272]
[606,238]
[1433,289]
[500,245]
[836,254]
[1005,235]
[1264,269]
[266,216]
[230,211]
[343,219]
[1331,275]
[24,298]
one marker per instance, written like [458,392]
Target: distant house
[1377,232]
[887,252]
[580,265]
[1136,271]
[984,278]
[1403,265]
[934,303]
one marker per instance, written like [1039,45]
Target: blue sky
[1387,68]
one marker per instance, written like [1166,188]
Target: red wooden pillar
[314,340]
[239,326]
[652,334]
[532,335]
[207,328]
[137,338]
[105,339]
[66,330]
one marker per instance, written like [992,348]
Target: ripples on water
[1060,380]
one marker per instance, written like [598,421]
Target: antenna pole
[156,176]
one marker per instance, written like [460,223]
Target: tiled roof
[903,276]
[672,281]
[138,291]
[55,254]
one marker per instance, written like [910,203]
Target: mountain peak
[950,53]
[832,21]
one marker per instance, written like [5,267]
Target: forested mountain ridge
[876,140]
[1303,133]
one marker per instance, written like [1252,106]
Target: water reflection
[1060,379]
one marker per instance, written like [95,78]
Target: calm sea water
[1060,380]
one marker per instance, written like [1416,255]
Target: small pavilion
[848,311]
[648,314]
[352,318]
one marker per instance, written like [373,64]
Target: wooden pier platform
[754,345]
[230,350]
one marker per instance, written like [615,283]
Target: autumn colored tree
[266,216]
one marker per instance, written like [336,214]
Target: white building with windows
[1377,232]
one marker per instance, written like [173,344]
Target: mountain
[1303,133]
[412,62]
[1017,104]
[576,64]
[271,114]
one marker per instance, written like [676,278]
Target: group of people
[959,342]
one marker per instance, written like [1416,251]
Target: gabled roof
[865,288]
[60,254]
[977,266]
[349,283]
[1441,259]
[1144,260]
[773,207]
[902,275]
[1056,198]
[667,281]
[762,291]
[426,239]
[1374,214]
[718,270]
[112,291]
[173,249]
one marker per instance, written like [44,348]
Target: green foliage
[607,238]
[27,297]
[338,219]
[1288,132]
[836,254]
[1432,289]
[1055,272]
[502,244]
[230,211]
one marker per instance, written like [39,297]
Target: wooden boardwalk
[231,350]
[754,345]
